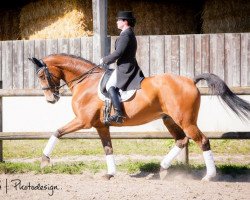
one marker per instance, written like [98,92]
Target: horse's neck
[72,70]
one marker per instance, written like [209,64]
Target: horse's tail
[219,87]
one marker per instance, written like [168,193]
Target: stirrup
[119,119]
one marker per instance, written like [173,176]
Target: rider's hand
[103,65]
[101,61]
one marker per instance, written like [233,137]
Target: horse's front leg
[108,149]
[72,126]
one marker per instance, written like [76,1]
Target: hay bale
[44,19]
[158,17]
[226,16]
[9,20]
[56,19]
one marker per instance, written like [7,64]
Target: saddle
[103,93]
[104,96]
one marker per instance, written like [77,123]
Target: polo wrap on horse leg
[111,164]
[166,162]
[50,145]
[209,161]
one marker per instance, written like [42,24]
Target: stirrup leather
[106,112]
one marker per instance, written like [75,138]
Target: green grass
[34,148]
[137,166]
[59,168]
[234,169]
[127,166]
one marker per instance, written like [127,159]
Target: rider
[127,75]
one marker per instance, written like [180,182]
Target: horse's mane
[73,56]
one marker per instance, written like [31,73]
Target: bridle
[52,85]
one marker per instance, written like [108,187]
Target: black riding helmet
[127,15]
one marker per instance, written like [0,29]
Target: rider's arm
[120,48]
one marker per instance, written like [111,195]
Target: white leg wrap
[50,146]
[111,164]
[209,161]
[166,162]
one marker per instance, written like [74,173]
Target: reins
[53,86]
[78,79]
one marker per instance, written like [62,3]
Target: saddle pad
[124,95]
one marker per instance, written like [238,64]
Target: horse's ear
[30,59]
[37,63]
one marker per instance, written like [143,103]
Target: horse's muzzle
[55,99]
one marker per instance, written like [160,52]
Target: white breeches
[112,82]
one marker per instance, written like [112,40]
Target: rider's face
[120,23]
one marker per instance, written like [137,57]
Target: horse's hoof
[107,177]
[45,162]
[208,178]
[163,173]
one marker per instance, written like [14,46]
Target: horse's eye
[42,77]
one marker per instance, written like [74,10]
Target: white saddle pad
[124,95]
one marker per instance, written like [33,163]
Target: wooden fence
[227,55]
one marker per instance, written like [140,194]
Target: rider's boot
[118,117]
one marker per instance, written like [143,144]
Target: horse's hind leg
[193,132]
[181,140]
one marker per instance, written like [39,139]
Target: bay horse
[172,98]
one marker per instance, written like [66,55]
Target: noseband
[48,75]
[51,84]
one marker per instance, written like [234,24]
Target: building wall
[30,114]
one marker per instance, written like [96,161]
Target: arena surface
[178,185]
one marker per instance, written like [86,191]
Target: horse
[174,99]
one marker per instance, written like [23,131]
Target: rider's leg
[112,82]
[114,96]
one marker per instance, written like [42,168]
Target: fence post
[1,125]
[99,10]
[183,156]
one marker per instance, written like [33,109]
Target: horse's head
[49,79]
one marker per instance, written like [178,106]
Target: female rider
[127,75]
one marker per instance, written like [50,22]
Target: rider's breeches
[112,82]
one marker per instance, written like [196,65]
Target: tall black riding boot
[118,116]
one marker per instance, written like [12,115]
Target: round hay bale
[226,16]
[56,19]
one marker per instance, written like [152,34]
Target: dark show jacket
[129,74]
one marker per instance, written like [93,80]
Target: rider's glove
[103,65]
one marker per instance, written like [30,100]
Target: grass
[59,168]
[127,166]
[34,148]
